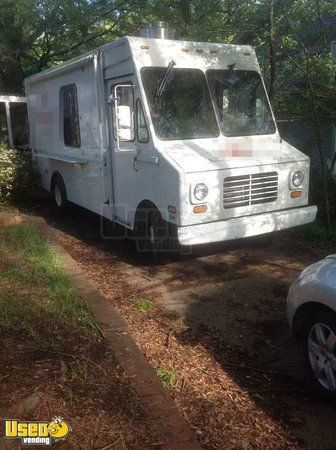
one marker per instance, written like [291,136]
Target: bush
[316,195]
[18,175]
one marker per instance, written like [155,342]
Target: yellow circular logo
[58,429]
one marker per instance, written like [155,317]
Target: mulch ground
[235,391]
[222,414]
[91,394]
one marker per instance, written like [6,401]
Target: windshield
[241,102]
[183,109]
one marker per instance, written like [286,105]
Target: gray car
[311,312]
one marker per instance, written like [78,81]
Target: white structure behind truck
[181,128]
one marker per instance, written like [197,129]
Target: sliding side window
[69,109]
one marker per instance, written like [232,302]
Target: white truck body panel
[113,182]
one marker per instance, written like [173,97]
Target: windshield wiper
[164,83]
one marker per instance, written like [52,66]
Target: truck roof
[158,52]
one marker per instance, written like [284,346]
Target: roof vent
[157,30]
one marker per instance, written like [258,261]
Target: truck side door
[120,94]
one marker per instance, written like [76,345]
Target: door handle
[135,159]
[148,160]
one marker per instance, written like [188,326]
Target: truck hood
[207,154]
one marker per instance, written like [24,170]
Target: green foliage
[18,175]
[35,34]
[144,305]
[303,35]
[316,233]
[167,376]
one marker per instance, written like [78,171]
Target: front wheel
[319,350]
[153,234]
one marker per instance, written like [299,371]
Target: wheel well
[305,313]
[56,175]
[145,204]
[149,205]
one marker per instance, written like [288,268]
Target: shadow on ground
[231,301]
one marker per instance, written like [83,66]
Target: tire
[318,341]
[112,230]
[153,234]
[58,193]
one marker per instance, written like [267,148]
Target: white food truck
[167,136]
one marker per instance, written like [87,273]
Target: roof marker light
[199,50]
[145,47]
[185,49]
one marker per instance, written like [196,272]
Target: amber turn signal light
[200,209]
[296,194]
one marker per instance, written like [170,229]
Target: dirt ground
[216,319]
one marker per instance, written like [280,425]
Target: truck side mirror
[124,118]
[124,122]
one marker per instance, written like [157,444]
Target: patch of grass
[144,305]
[17,274]
[134,407]
[79,371]
[32,333]
[71,396]
[167,376]
[34,286]
[191,353]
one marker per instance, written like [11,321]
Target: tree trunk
[318,140]
[185,11]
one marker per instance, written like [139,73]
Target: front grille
[248,190]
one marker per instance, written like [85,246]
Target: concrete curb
[174,430]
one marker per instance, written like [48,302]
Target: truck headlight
[297,178]
[201,191]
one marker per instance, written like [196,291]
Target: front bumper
[241,227]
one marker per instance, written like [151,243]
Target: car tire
[58,193]
[318,340]
[153,234]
